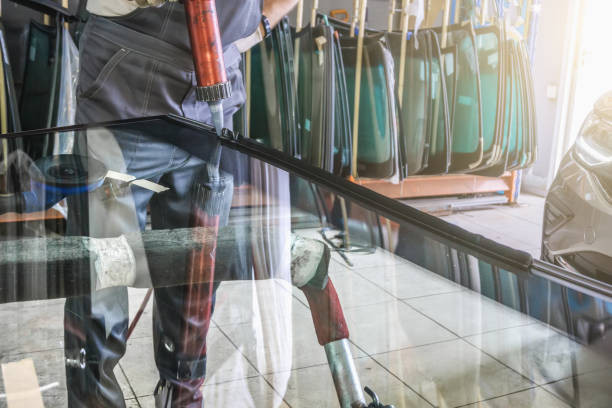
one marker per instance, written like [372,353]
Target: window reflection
[266,285]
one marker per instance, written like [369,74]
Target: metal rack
[446,185]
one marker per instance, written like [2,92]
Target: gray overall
[133,66]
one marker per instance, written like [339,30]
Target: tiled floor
[518,226]
[417,339]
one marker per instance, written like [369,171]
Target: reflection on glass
[265,289]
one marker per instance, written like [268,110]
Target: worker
[136,61]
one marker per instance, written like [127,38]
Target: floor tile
[516,226]
[138,364]
[246,301]
[311,233]
[452,373]
[392,326]
[314,387]
[126,388]
[224,363]
[132,403]
[248,393]
[144,327]
[540,353]
[378,258]
[466,313]
[50,369]
[588,390]
[408,280]
[299,295]
[20,321]
[532,398]
[353,290]
[33,303]
[280,345]
[498,233]
[533,213]
[147,401]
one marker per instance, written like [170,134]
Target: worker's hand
[151,3]
[275,10]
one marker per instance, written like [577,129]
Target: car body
[577,229]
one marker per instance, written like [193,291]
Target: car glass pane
[466,146]
[508,133]
[342,116]
[265,116]
[517,144]
[489,63]
[40,83]
[413,112]
[316,91]
[377,157]
[439,140]
[266,273]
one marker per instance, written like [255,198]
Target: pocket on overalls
[120,82]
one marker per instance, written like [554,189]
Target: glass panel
[342,116]
[529,114]
[450,68]
[377,129]
[439,145]
[466,123]
[13,122]
[508,128]
[413,112]
[310,277]
[40,84]
[490,66]
[265,75]
[316,90]
[272,85]
[516,145]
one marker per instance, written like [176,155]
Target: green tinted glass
[39,94]
[517,117]
[489,63]
[377,133]
[413,112]
[316,88]
[342,116]
[450,68]
[439,138]
[265,89]
[466,120]
[527,114]
[273,118]
[507,129]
